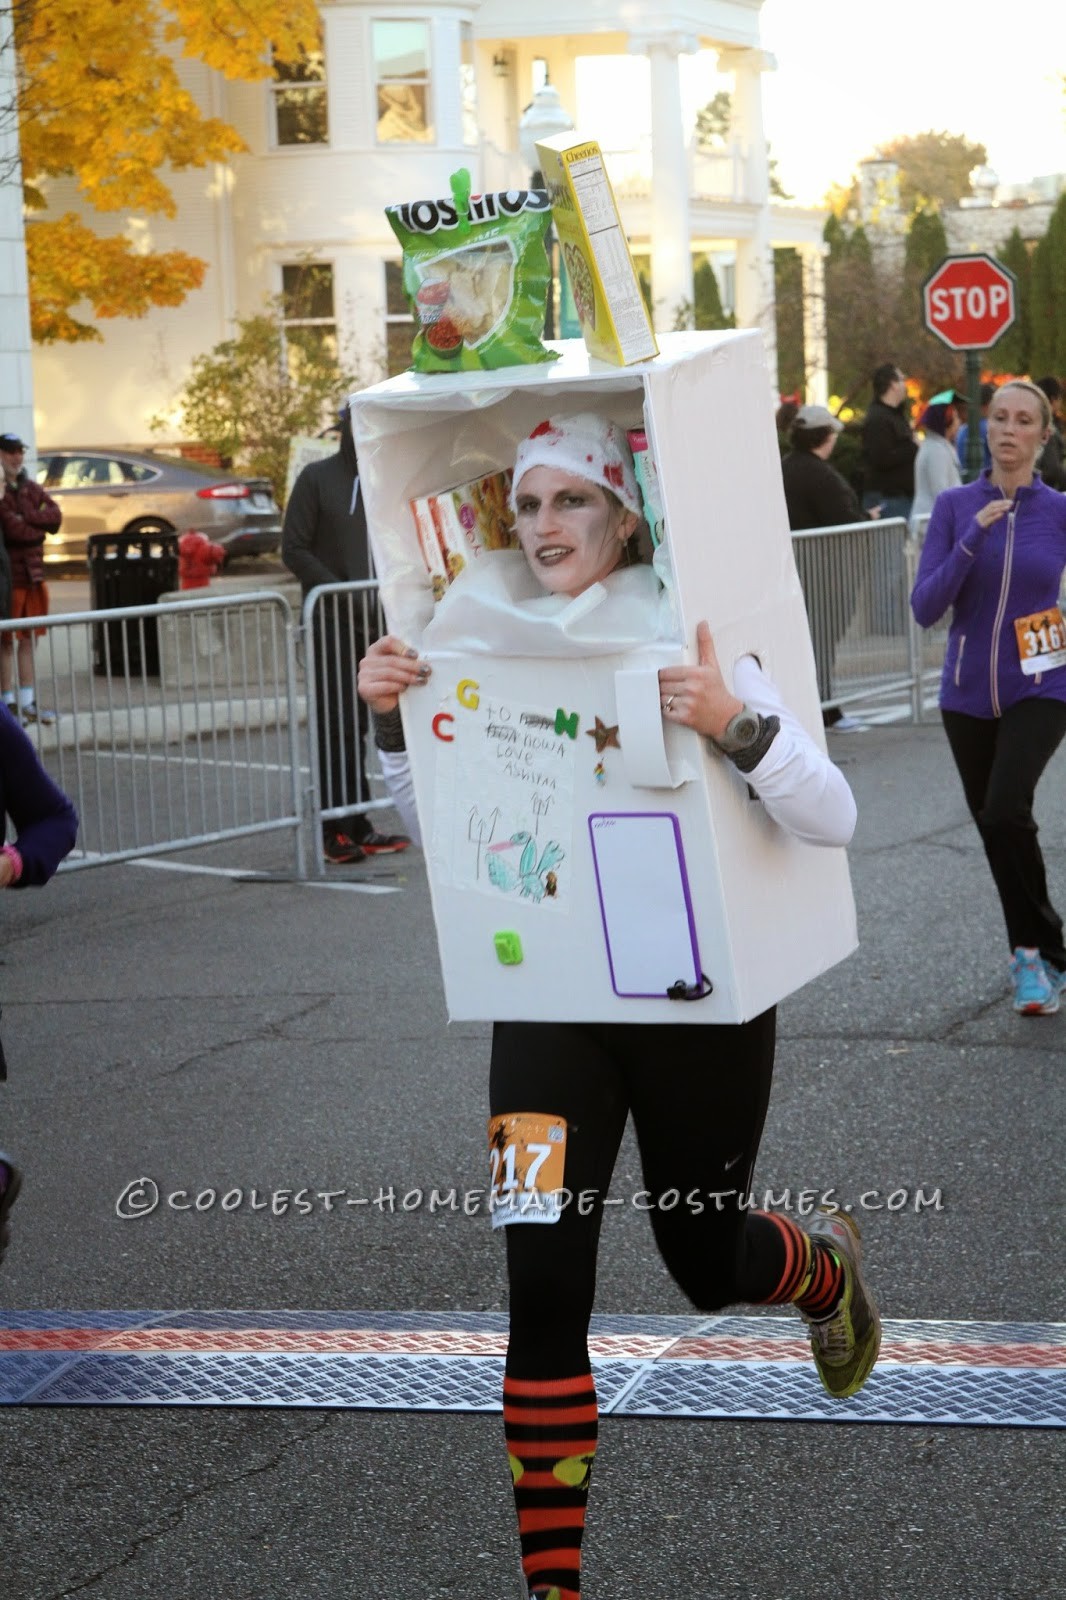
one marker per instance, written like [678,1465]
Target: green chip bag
[476,276]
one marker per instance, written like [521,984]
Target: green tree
[709,312]
[99,100]
[713,121]
[1012,353]
[713,125]
[933,167]
[705,309]
[788,302]
[920,353]
[1047,351]
[860,310]
[251,394]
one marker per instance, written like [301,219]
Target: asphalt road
[210,1031]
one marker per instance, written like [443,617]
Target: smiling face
[1016,428]
[571,531]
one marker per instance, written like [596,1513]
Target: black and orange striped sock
[551,1427]
[812,1278]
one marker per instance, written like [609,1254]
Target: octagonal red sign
[969,301]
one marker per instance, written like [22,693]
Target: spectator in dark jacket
[27,514]
[47,827]
[1051,463]
[818,497]
[889,448]
[324,540]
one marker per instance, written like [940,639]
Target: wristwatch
[740,732]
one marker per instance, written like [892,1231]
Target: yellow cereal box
[614,318]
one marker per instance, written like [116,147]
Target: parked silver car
[123,491]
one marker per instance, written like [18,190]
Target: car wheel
[149,525]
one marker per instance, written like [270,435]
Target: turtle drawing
[509,869]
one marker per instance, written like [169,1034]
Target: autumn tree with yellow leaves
[99,100]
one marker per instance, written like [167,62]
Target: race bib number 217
[527,1157]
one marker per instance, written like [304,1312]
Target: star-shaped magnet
[605,737]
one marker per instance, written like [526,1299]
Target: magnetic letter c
[438,722]
[467,694]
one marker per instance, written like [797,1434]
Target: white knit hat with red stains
[589,446]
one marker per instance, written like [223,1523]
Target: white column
[815,346]
[671,247]
[16,374]
[755,261]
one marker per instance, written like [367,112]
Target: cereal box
[607,294]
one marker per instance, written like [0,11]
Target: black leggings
[1000,762]
[698,1095]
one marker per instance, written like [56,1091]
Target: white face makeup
[1016,428]
[571,532]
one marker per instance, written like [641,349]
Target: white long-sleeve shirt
[797,783]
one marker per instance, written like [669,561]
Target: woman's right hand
[388,668]
[992,512]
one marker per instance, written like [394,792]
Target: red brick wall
[201,452]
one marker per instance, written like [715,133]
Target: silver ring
[669,702]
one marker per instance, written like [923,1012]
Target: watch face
[743,729]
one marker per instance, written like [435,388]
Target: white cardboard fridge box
[583,859]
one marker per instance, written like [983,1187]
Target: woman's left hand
[698,697]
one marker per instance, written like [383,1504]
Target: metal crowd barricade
[205,751]
[930,644]
[856,579]
[210,748]
[339,621]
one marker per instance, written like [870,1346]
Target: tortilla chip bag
[476,275]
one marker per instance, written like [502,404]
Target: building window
[307,306]
[299,96]
[401,74]
[468,85]
[399,323]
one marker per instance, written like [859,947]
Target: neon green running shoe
[845,1344]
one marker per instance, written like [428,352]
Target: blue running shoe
[1056,978]
[1034,993]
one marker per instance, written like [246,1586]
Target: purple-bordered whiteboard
[645,902]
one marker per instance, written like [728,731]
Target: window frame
[396,319]
[428,84]
[277,86]
[331,322]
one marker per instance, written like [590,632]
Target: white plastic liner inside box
[584,859]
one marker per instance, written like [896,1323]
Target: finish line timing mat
[981,1374]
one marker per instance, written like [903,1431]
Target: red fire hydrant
[198,560]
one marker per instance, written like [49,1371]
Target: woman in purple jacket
[47,826]
[995,552]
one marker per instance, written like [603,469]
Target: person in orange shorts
[27,514]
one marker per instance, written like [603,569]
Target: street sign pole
[968,303]
[975,452]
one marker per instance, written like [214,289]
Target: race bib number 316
[527,1157]
[1041,641]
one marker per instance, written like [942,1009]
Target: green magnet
[508,948]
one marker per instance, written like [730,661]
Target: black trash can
[129,569]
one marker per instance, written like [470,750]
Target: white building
[402,95]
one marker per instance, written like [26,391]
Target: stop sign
[969,301]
